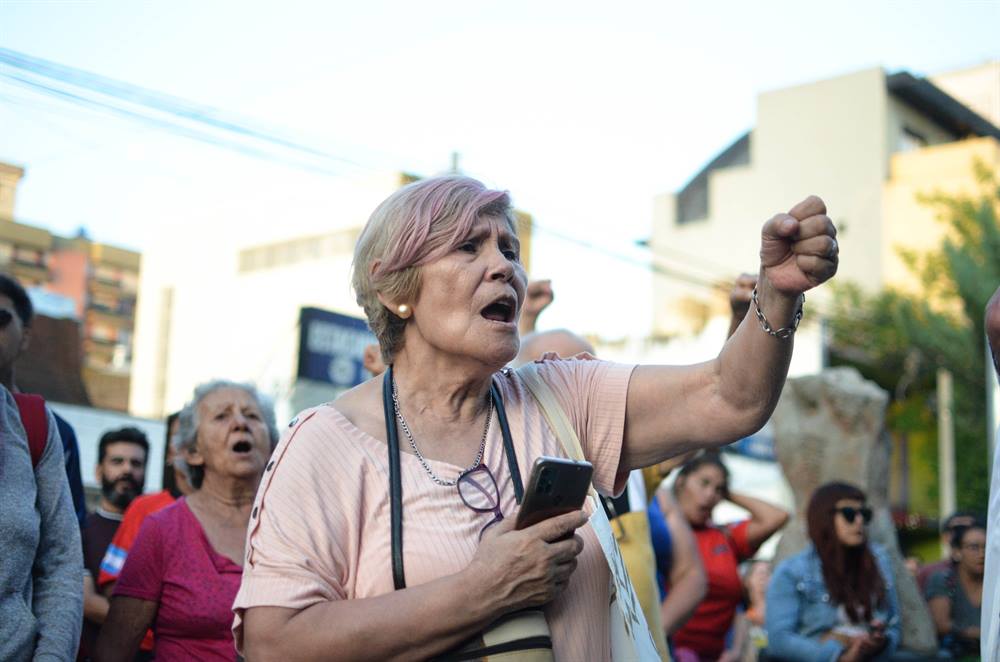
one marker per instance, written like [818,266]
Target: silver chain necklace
[413,444]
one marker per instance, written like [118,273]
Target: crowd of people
[383,524]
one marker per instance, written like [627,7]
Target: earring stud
[403,310]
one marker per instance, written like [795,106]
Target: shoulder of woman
[325,423]
[316,443]
[165,518]
[797,564]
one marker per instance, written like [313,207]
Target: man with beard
[121,470]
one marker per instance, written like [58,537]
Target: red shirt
[705,632]
[173,564]
[121,543]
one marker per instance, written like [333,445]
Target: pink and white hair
[416,225]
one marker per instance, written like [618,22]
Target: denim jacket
[799,610]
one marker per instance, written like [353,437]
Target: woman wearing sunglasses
[836,599]
[384,525]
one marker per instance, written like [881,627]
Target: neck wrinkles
[234,493]
[441,390]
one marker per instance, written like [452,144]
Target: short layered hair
[414,226]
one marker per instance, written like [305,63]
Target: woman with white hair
[184,568]
[362,546]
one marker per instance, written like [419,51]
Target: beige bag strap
[626,642]
[553,413]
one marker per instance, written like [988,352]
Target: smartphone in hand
[557,486]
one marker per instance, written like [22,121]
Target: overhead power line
[213,126]
[135,103]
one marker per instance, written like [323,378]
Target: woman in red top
[701,484]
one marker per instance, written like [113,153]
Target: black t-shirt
[98,530]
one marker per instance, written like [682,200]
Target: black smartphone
[557,486]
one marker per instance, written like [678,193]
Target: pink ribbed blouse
[319,529]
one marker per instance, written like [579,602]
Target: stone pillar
[831,426]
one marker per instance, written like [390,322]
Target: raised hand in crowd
[537,298]
[739,300]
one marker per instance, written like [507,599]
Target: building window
[103,333]
[29,256]
[108,275]
[910,140]
[296,251]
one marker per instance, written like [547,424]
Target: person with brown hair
[955,594]
[836,599]
[701,485]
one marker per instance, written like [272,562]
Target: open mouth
[242,447]
[501,310]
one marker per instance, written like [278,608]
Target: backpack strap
[36,423]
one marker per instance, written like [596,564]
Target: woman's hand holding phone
[528,567]
[556,486]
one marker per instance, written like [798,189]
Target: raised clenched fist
[799,250]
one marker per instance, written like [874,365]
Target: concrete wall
[90,423]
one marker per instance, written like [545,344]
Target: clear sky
[583,110]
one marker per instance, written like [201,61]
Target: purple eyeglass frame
[497,512]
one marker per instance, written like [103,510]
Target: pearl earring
[403,310]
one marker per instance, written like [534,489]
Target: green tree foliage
[899,339]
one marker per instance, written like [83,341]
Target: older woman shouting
[383,528]
[183,570]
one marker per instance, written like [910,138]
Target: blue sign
[759,446]
[332,347]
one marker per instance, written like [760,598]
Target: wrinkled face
[233,439]
[700,492]
[971,554]
[122,472]
[13,336]
[470,299]
[850,533]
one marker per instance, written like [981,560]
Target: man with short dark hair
[121,472]
[16,315]
[957,519]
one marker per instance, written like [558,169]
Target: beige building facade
[868,143]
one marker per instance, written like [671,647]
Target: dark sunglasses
[850,513]
[6,317]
